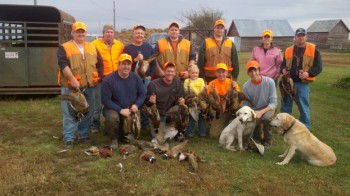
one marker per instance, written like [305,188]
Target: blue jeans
[70,124]
[165,118]
[265,120]
[192,123]
[143,114]
[303,95]
[97,108]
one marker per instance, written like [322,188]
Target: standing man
[110,49]
[268,56]
[122,94]
[81,68]
[140,51]
[303,62]
[215,50]
[176,49]
[261,91]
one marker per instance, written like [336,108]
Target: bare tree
[204,18]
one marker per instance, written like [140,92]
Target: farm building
[246,33]
[329,34]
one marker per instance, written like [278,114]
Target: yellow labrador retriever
[298,137]
[241,128]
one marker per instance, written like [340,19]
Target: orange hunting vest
[308,59]
[181,59]
[215,54]
[83,68]
[109,56]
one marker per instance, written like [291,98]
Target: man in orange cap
[122,94]
[268,56]
[221,85]
[166,92]
[261,91]
[217,49]
[81,68]
[174,48]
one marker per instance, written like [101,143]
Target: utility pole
[35,2]
[114,15]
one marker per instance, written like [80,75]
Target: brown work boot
[114,144]
[160,135]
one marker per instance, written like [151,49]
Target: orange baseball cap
[221,66]
[78,25]
[219,22]
[267,32]
[169,64]
[125,57]
[251,64]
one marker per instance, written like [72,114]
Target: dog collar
[285,131]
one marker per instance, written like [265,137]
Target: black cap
[139,27]
[300,31]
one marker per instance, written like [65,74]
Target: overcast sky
[158,13]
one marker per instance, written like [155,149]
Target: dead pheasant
[132,124]
[180,116]
[175,150]
[287,88]
[106,151]
[214,101]
[153,115]
[193,103]
[127,149]
[78,102]
[148,155]
[233,98]
[191,157]
[142,66]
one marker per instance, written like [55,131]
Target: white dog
[241,128]
[298,137]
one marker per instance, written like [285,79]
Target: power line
[107,9]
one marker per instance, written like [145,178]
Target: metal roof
[324,25]
[254,28]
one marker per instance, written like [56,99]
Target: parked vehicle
[29,39]
[155,37]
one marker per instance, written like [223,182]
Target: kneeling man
[261,91]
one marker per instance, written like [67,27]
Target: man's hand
[134,108]
[125,112]
[303,74]
[153,98]
[75,83]
[181,101]
[259,113]
[139,57]
[285,72]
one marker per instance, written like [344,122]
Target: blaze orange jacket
[215,55]
[183,54]
[109,55]
[83,67]
[308,59]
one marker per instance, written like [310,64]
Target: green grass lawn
[31,165]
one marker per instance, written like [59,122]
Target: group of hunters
[106,71]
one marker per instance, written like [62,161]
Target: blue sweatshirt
[119,93]
[146,50]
